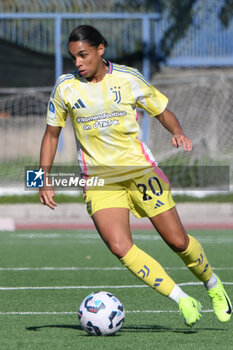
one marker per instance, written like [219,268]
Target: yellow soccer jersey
[104,118]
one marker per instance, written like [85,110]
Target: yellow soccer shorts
[145,196]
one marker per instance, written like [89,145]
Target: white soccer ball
[101,313]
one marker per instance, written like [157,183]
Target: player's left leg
[113,227]
[170,228]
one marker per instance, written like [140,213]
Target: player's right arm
[47,155]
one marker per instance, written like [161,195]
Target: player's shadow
[65,326]
[162,329]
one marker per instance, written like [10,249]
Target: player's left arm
[170,122]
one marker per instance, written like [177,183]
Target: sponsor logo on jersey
[101,116]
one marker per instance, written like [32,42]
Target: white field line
[74,235]
[97,287]
[76,268]
[88,236]
[72,287]
[72,268]
[75,312]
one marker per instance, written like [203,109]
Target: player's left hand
[178,140]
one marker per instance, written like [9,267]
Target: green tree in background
[226,12]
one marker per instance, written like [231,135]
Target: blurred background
[184,48]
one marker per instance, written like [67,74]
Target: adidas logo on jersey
[158,204]
[79,104]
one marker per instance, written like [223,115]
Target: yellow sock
[195,259]
[148,270]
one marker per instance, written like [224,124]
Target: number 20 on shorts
[150,186]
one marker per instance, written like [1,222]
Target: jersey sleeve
[56,110]
[149,98]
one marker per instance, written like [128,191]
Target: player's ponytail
[89,34]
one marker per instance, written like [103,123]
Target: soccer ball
[101,313]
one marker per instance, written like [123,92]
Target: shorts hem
[112,207]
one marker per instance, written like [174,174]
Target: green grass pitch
[44,275]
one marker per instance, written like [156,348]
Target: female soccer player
[101,98]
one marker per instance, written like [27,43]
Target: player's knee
[180,244]
[120,249]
